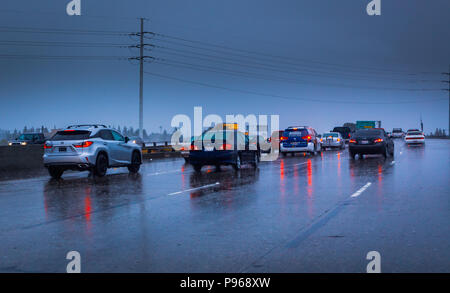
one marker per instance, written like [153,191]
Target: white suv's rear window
[71,135]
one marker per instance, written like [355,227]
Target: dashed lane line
[361,190]
[196,188]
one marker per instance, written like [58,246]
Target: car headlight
[23,143]
[9,143]
[134,141]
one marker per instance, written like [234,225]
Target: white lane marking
[193,189]
[361,190]
[163,172]
[401,153]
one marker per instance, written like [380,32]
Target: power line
[262,66]
[282,96]
[287,59]
[271,78]
[61,44]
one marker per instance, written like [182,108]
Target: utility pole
[448,81]
[141,59]
[141,82]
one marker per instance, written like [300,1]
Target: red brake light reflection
[352,141]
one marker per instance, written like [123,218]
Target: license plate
[63,149]
[364,142]
[209,148]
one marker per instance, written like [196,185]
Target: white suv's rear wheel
[101,165]
[55,172]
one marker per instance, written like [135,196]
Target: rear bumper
[212,158]
[414,141]
[367,149]
[76,161]
[331,144]
[308,148]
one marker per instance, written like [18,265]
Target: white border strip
[361,190]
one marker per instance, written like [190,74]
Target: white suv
[90,147]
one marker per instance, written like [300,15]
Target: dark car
[222,147]
[370,141]
[344,131]
[28,138]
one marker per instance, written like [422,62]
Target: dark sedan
[370,141]
[228,147]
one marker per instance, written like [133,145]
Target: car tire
[197,168]
[237,163]
[55,172]
[385,152]
[255,160]
[283,154]
[186,160]
[135,163]
[352,154]
[101,165]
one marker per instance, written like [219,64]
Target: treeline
[438,133]
[162,136]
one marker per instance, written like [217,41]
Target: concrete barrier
[17,158]
[22,158]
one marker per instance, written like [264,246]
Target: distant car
[345,132]
[28,138]
[185,149]
[260,143]
[415,137]
[274,140]
[137,140]
[300,139]
[397,133]
[370,141]
[90,147]
[222,147]
[332,140]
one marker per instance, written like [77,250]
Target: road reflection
[232,188]
[72,198]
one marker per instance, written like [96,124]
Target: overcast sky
[336,60]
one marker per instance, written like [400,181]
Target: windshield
[71,135]
[415,133]
[330,134]
[397,130]
[26,137]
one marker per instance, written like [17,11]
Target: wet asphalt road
[296,214]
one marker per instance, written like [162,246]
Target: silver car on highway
[332,140]
[90,147]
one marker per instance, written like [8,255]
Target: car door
[110,144]
[123,149]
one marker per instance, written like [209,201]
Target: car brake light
[349,135]
[283,138]
[308,137]
[338,139]
[378,140]
[321,140]
[194,147]
[352,141]
[46,146]
[84,144]
[225,146]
